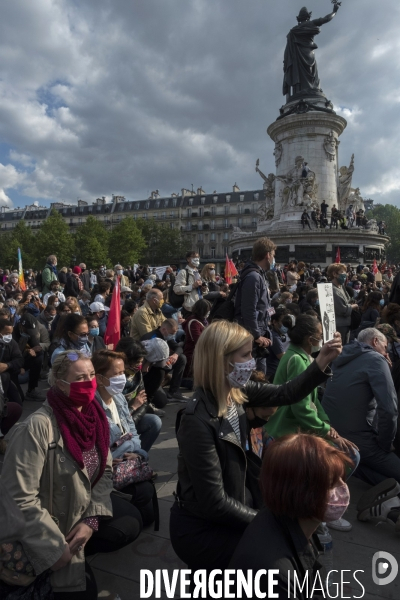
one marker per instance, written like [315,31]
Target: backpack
[226,310]
[175,300]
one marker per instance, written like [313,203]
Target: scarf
[53,268]
[78,279]
[81,430]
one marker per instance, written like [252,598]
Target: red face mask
[81,393]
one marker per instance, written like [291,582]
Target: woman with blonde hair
[214,504]
[73,303]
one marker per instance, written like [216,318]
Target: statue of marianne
[299,64]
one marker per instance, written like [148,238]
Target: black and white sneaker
[379,493]
[379,512]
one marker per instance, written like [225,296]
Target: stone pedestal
[311,137]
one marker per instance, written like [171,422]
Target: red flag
[113,330]
[228,274]
[234,270]
[337,259]
[375,267]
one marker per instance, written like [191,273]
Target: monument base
[315,246]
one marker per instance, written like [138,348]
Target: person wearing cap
[154,369]
[85,277]
[149,316]
[55,290]
[125,293]
[49,273]
[176,360]
[119,271]
[97,309]
[361,402]
[33,340]
[74,284]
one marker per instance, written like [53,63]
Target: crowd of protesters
[268,397]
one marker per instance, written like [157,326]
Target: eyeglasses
[72,356]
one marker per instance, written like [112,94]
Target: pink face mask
[338,501]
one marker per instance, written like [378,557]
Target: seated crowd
[277,423]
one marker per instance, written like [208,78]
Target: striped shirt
[233,418]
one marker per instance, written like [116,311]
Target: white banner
[326,306]
[159,271]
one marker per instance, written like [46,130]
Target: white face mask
[56,303]
[6,338]
[318,347]
[212,271]
[117,384]
[241,373]
[195,262]
[120,271]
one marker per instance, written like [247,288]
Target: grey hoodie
[361,400]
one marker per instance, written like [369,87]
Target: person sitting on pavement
[74,305]
[103,293]
[361,403]
[212,506]
[176,361]
[135,367]
[303,485]
[100,311]
[149,316]
[84,299]
[33,340]
[155,371]
[11,363]
[125,442]
[95,341]
[71,430]
[47,317]
[343,304]
[55,290]
[73,333]
[62,309]
[280,340]
[308,415]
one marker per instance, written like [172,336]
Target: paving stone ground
[120,571]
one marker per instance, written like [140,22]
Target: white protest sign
[326,306]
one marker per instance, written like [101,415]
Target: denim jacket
[127,423]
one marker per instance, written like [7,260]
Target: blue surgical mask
[283,329]
[94,331]
[342,278]
[382,302]
[81,342]
[13,310]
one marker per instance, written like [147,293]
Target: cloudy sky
[127,96]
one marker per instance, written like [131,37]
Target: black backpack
[226,310]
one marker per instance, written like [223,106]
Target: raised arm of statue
[319,22]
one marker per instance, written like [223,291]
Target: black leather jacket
[211,462]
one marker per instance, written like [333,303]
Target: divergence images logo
[381,561]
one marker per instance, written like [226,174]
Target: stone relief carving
[345,178]
[278,153]
[300,187]
[372,225]
[330,145]
[266,209]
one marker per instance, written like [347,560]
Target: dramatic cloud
[125,96]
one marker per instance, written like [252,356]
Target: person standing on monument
[299,64]
[305,219]
[324,209]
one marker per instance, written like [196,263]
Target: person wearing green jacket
[49,274]
[306,416]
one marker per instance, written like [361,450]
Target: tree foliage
[53,238]
[164,245]
[91,243]
[126,242]
[20,237]
[391,215]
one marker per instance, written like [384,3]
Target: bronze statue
[299,64]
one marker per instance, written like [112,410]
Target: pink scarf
[81,430]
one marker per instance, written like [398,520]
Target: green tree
[53,238]
[391,215]
[126,242]
[164,245]
[20,237]
[91,243]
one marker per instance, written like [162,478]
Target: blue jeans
[148,428]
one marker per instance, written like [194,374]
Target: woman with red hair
[303,484]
